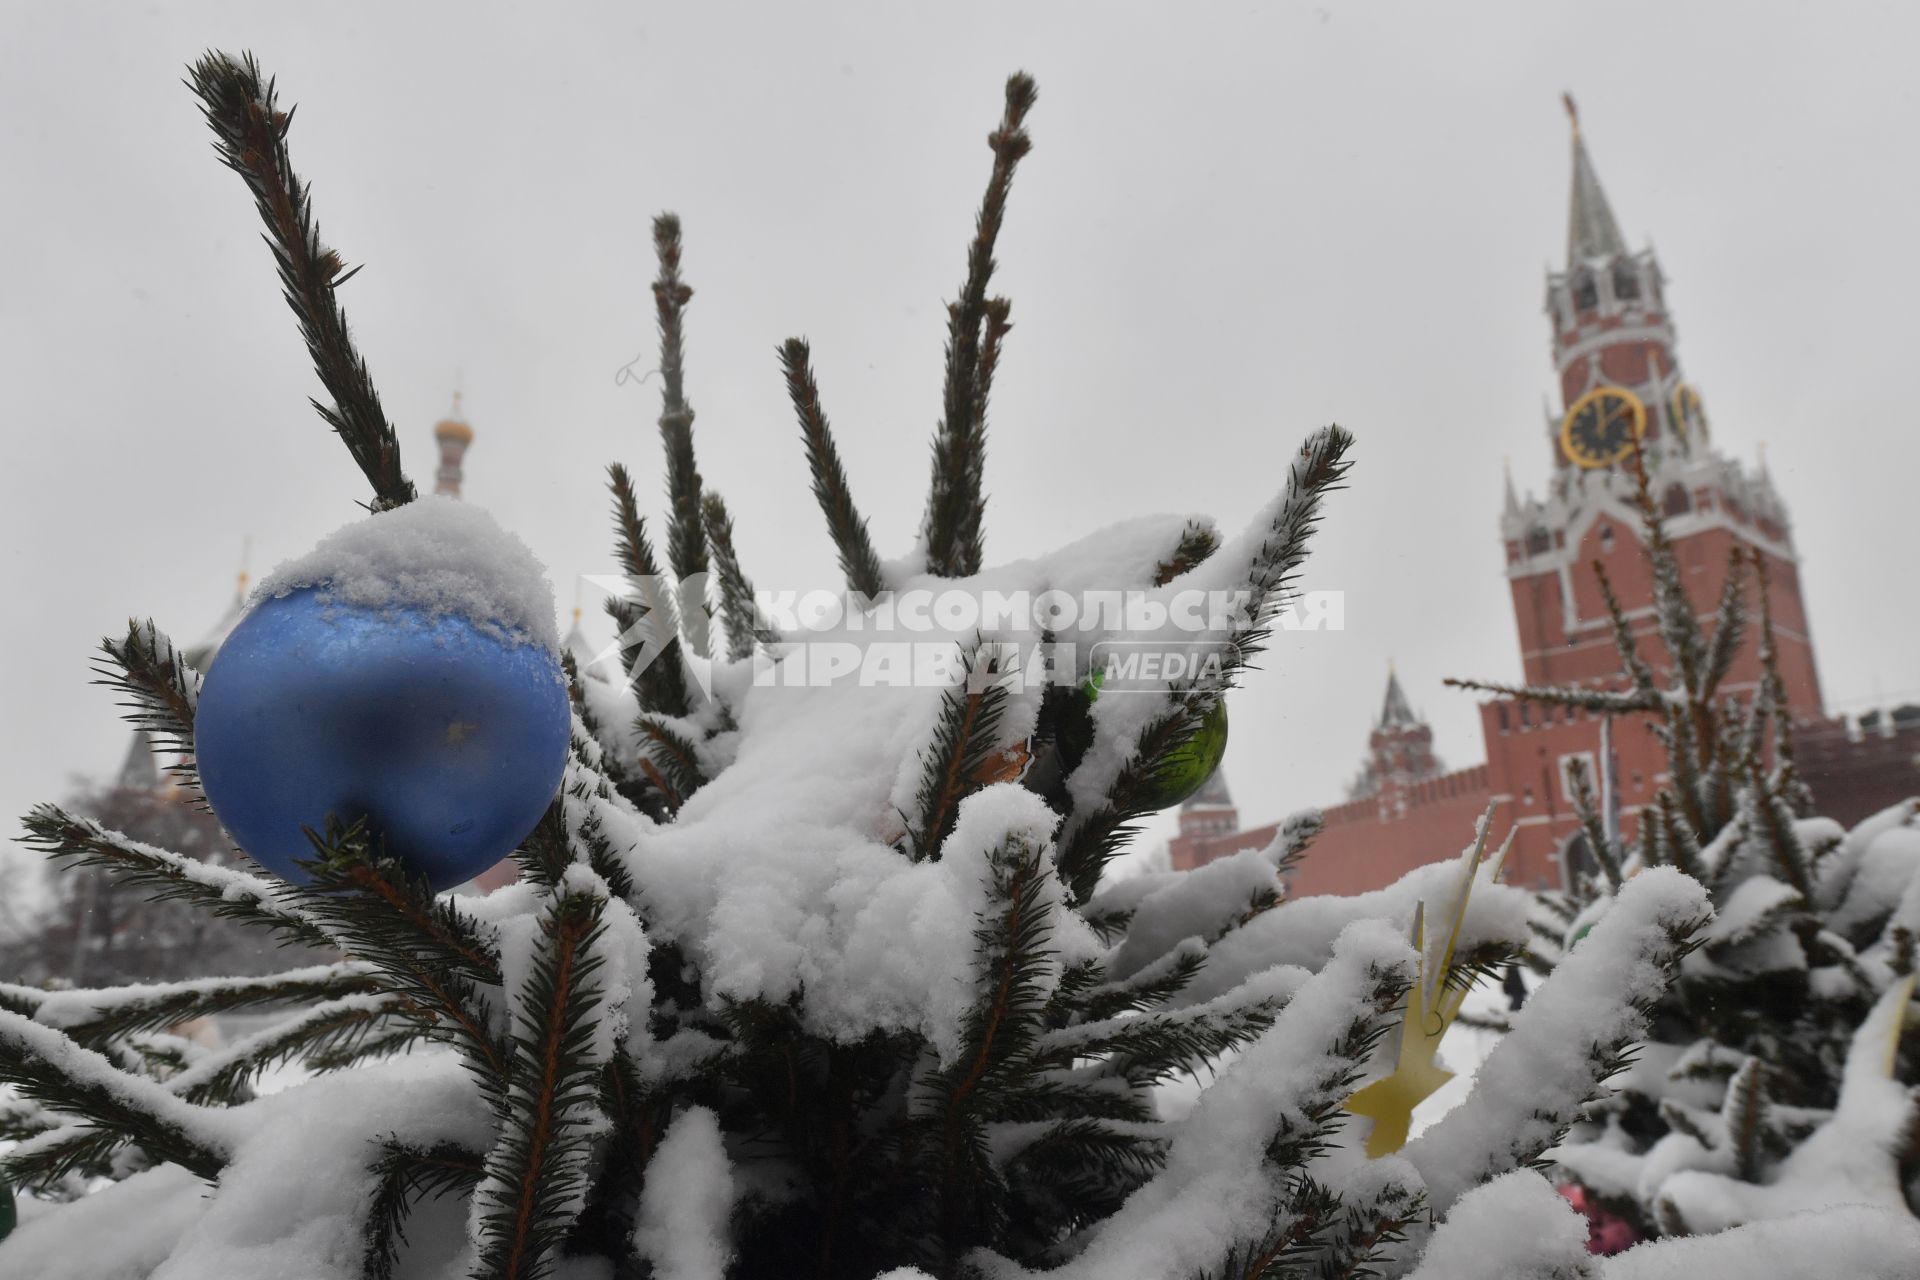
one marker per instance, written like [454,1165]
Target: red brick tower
[1399,752]
[1614,349]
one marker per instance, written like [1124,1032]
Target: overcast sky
[1239,222]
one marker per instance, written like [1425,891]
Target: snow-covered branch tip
[976,325]
[859,563]
[250,133]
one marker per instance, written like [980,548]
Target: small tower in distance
[1209,811]
[453,435]
[1399,750]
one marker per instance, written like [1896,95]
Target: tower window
[1586,295]
[1606,537]
[1539,541]
[1626,282]
[1675,502]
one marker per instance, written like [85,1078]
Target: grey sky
[1239,222]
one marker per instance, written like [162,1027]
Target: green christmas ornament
[1184,772]
[1187,768]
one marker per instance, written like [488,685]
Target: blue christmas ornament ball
[449,739]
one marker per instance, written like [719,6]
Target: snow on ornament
[405,672]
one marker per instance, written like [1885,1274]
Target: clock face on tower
[1603,427]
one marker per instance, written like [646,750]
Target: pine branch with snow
[251,137]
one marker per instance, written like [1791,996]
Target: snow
[818,901]
[1854,1242]
[290,1204]
[1748,909]
[71,1008]
[1201,903]
[687,1200]
[1888,864]
[120,1232]
[1851,1159]
[1301,931]
[215,1129]
[1837,871]
[1516,1227]
[436,555]
[1214,1189]
[303,1218]
[1540,1073]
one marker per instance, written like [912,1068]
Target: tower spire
[452,435]
[1591,230]
[1395,710]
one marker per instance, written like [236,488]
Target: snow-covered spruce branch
[1147,1048]
[427,948]
[950,530]
[330,1035]
[231,894]
[158,691]
[1674,616]
[1479,1238]
[744,626]
[648,623]
[1155,983]
[669,758]
[93,1017]
[1587,811]
[686,540]
[1729,629]
[251,137]
[402,1176]
[48,1067]
[1238,1176]
[1207,903]
[1198,540]
[956,1101]
[1112,784]
[537,1176]
[859,563]
[1598,701]
[1566,1040]
[327,1036]
[591,806]
[964,740]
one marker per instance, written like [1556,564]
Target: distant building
[1615,353]
[452,435]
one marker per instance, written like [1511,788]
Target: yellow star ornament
[1906,985]
[1431,1009]
[1390,1100]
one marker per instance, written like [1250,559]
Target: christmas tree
[1783,1070]
[804,976]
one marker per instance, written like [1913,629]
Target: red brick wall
[1372,842]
